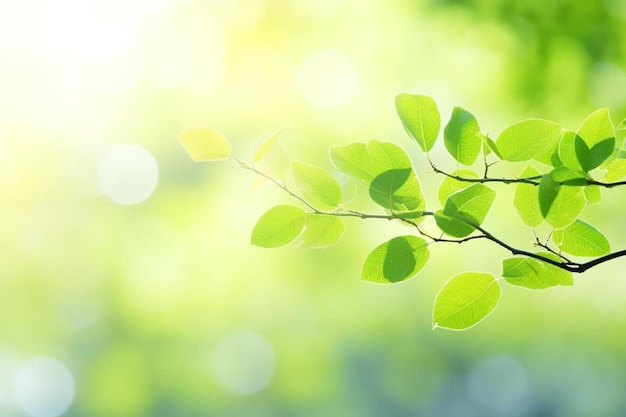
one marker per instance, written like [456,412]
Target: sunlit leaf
[526,199]
[527,139]
[450,186]
[465,300]
[593,194]
[464,210]
[564,174]
[566,207]
[420,118]
[596,128]
[279,226]
[622,125]
[567,150]
[534,274]
[581,239]
[321,231]
[204,144]
[548,190]
[395,260]
[590,158]
[318,187]
[616,170]
[461,136]
[266,146]
[275,163]
[347,186]
[490,146]
[353,160]
[366,161]
[397,190]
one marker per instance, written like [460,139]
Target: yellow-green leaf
[204,144]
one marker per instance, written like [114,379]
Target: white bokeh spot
[327,78]
[43,387]
[128,174]
[244,362]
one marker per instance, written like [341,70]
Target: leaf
[564,174]
[275,163]
[461,136]
[395,260]
[279,226]
[592,193]
[616,170]
[204,144]
[450,185]
[491,146]
[528,139]
[566,207]
[622,125]
[465,300]
[534,274]
[321,231]
[318,187]
[465,210]
[266,147]
[596,128]
[548,190]
[353,160]
[420,118]
[581,239]
[567,150]
[397,190]
[526,199]
[594,157]
[366,161]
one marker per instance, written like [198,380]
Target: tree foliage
[561,172]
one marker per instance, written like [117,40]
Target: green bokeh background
[154,307]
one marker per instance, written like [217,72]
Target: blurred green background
[127,283]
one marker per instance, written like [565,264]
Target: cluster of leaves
[564,171]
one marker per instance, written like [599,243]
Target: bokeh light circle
[128,174]
[43,387]
[327,78]
[244,362]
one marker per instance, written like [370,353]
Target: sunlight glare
[327,78]
[128,174]
[43,387]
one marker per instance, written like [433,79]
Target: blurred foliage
[145,304]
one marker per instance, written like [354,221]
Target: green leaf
[366,161]
[534,274]
[461,136]
[526,199]
[596,128]
[567,150]
[528,139]
[566,207]
[279,226]
[592,193]
[465,210]
[594,157]
[450,186]
[420,118]
[204,144]
[397,190]
[548,190]
[395,260]
[318,187]
[581,239]
[564,174]
[491,146]
[266,147]
[321,231]
[616,170]
[465,300]
[622,125]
